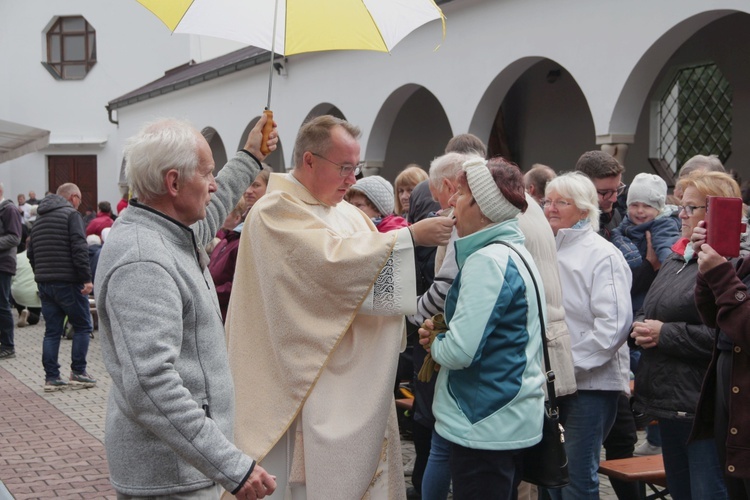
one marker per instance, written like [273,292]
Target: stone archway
[411,127]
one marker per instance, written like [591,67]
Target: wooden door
[81,171]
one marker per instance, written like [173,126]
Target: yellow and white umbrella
[299,25]
[290,27]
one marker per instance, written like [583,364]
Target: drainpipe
[109,115]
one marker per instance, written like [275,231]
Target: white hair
[158,147]
[447,166]
[578,187]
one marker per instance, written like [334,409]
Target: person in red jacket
[374,196]
[102,220]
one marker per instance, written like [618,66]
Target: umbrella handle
[267,129]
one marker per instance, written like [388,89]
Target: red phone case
[724,225]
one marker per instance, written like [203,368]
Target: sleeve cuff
[252,156]
[252,467]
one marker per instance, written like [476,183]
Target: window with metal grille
[71,48]
[694,116]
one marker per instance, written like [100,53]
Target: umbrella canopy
[301,25]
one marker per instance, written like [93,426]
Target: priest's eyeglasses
[346,170]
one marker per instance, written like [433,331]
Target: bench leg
[657,493]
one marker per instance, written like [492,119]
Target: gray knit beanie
[379,191]
[649,189]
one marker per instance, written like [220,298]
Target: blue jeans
[436,481]
[652,435]
[587,419]
[60,300]
[693,470]
[6,316]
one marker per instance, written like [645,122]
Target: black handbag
[546,463]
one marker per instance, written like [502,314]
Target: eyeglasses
[689,209]
[607,193]
[559,204]
[346,170]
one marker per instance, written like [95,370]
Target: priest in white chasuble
[316,323]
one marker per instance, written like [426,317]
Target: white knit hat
[488,196]
[379,191]
[649,189]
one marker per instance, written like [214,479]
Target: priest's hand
[432,231]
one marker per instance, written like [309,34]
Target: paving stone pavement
[51,444]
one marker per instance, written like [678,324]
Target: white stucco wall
[133,47]
[613,53]
[489,45]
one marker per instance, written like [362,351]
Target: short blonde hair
[711,183]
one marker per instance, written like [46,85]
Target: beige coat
[540,242]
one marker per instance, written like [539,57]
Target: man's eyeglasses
[559,204]
[607,193]
[346,170]
[689,209]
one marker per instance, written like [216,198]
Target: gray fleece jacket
[171,405]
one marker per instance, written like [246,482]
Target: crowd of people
[254,324]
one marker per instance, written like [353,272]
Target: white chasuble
[314,329]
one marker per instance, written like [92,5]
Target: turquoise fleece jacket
[489,390]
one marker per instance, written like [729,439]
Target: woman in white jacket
[596,295]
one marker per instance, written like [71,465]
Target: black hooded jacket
[57,246]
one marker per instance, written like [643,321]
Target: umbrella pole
[273,53]
[268,127]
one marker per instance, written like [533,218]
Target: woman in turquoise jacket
[489,401]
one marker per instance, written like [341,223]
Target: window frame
[62,69]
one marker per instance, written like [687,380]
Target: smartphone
[724,225]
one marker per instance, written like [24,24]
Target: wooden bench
[648,469]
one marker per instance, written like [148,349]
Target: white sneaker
[23,319]
[646,448]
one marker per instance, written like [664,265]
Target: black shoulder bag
[546,463]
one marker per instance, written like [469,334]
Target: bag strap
[549,374]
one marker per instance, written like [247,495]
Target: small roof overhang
[17,140]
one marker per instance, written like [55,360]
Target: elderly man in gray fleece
[171,406]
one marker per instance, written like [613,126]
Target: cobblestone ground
[51,444]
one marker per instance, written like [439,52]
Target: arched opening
[411,127]
[218,151]
[535,112]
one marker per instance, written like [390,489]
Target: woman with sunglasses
[677,349]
